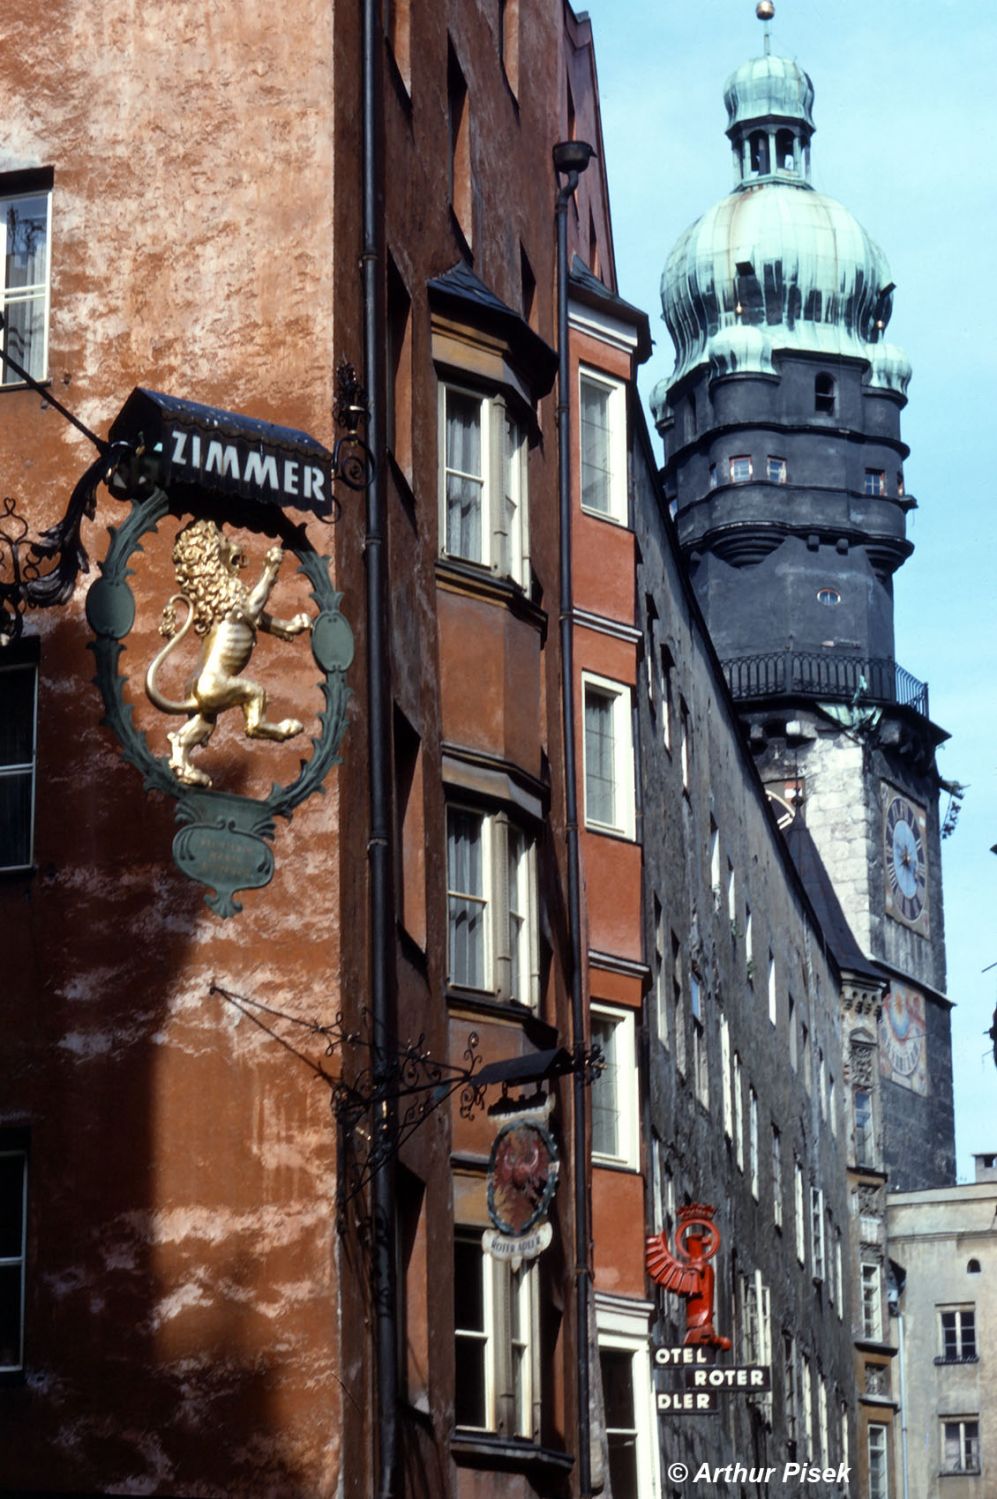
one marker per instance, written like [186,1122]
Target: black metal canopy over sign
[183,442]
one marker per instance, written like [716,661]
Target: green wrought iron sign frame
[223,838]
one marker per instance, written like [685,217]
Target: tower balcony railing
[836,675]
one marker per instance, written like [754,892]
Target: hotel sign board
[700,1381]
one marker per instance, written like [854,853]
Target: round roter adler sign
[522,1176]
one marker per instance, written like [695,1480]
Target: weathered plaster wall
[181,1316]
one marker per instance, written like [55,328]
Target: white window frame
[627,1151]
[37,291]
[25,769]
[501,1286]
[839,1276]
[824,1455]
[738,1089]
[502,957]
[878,1447]
[622,1326]
[775,469]
[773,991]
[617,498]
[800,1227]
[19,1260]
[620,697]
[746,477]
[504,541]
[872,1302]
[969,1444]
[964,1321]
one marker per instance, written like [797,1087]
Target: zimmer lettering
[231,465]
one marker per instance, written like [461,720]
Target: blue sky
[906,117]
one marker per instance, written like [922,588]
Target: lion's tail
[167,704]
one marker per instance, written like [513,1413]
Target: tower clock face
[905,859]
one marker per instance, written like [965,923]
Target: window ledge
[479,582]
[608,517]
[960,1472]
[958,1358]
[607,1163]
[619,835]
[22,385]
[481,1450]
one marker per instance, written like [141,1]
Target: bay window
[496,1342]
[483,485]
[492,906]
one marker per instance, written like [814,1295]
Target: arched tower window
[785,150]
[824,394]
[759,143]
[973,1268]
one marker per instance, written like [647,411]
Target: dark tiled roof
[588,288]
[479,304]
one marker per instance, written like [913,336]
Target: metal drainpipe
[583,1273]
[904,1462]
[378,758]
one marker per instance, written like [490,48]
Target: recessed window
[957,1334]
[484,483]
[875,481]
[872,1303]
[491,906]
[879,1473]
[801,1238]
[817,1231]
[901,486]
[824,394]
[603,438]
[961,1445]
[18,712]
[13,1242]
[829,597]
[775,470]
[24,241]
[609,757]
[776,1177]
[459,119]
[973,1268]
[714,476]
[496,1385]
[865,1147]
[740,468]
[614,1092]
[628,1395]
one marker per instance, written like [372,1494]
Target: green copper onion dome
[776,266]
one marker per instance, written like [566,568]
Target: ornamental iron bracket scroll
[41,572]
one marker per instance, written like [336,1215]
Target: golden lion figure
[227,615]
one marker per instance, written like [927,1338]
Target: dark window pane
[11,1205]
[617,1389]
[469,1388]
[15,820]
[17,716]
[10,1316]
[623,1467]
[469,1309]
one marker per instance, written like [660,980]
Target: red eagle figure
[688,1272]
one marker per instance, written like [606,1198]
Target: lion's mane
[204,577]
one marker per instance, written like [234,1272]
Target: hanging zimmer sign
[522,1179]
[209,477]
[182,442]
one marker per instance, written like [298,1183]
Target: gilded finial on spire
[765,10]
